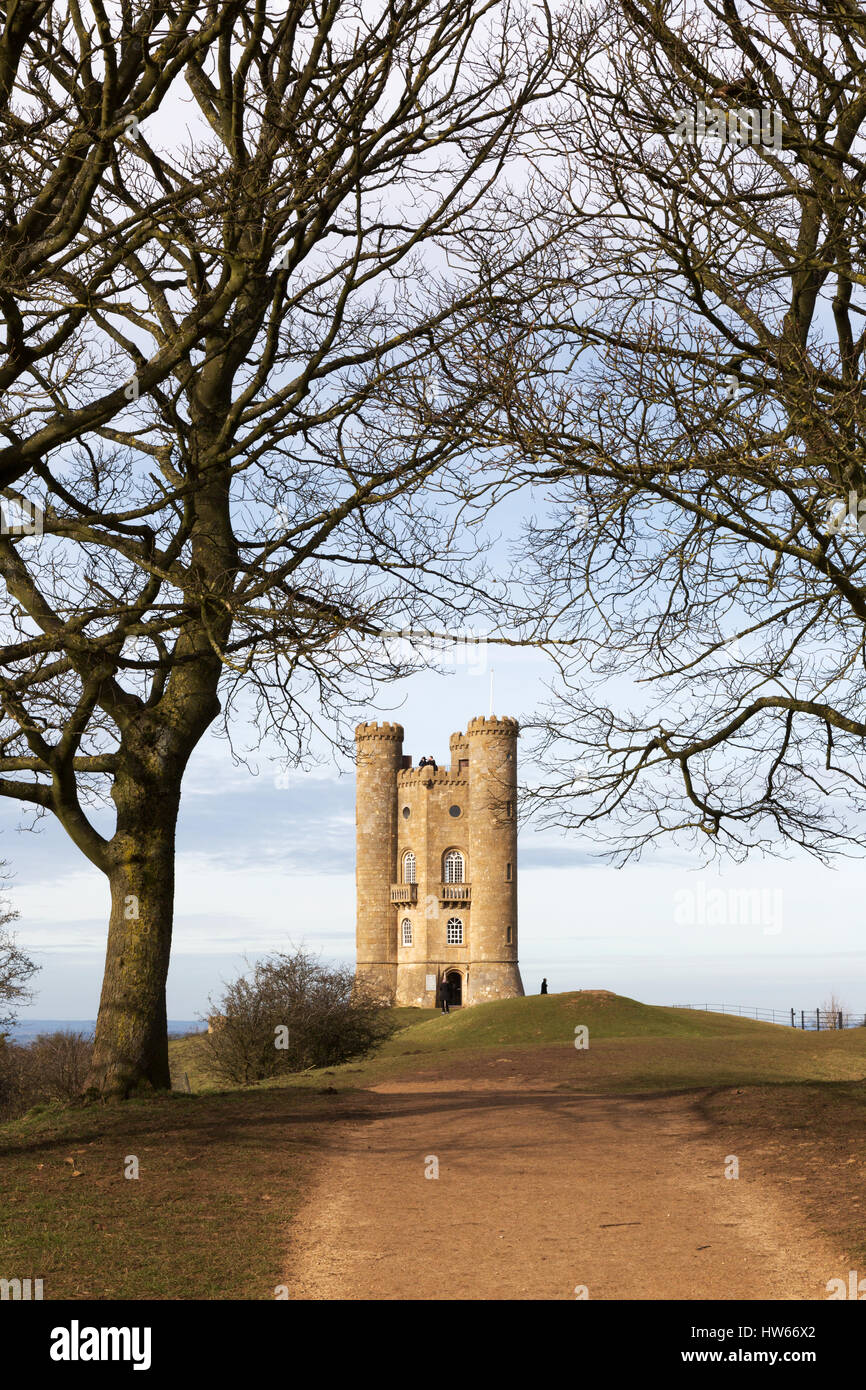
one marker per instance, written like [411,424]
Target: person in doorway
[544,986]
[445,996]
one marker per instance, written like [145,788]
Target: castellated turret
[437,866]
[493,854]
[379,756]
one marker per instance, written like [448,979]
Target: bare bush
[833,1012]
[55,1065]
[10,1079]
[16,969]
[290,1014]
[52,1067]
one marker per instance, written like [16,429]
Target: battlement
[417,776]
[493,725]
[457,741]
[392,732]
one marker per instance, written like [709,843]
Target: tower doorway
[455,981]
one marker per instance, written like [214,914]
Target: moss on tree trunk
[131,1044]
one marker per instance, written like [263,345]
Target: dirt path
[540,1192]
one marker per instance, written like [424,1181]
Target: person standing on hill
[544,985]
[445,996]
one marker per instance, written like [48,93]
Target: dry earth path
[541,1192]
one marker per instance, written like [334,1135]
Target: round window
[454,811]
[406,813]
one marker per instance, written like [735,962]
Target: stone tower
[437,866]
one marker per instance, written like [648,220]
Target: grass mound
[545,1020]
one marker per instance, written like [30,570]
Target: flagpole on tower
[491,692]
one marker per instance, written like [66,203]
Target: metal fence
[818,1020]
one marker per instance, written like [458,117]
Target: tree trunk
[131,1045]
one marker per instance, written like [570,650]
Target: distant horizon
[26,1027]
[30,1027]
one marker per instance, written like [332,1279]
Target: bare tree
[16,970]
[678,368]
[76,80]
[237,536]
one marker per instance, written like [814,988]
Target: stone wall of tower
[429,830]
[379,749]
[494,972]
[412,798]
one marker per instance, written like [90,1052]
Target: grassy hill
[545,1020]
[632,1047]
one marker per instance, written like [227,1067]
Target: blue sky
[262,866]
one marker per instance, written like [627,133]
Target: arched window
[409,867]
[407,931]
[453,866]
[455,931]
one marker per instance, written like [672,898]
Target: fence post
[840,1018]
[793,1024]
[818,1020]
[802,1019]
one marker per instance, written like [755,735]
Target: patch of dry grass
[220,1178]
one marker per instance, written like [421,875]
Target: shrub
[56,1064]
[10,1079]
[291,1014]
[52,1067]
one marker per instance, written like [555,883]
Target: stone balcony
[455,892]
[404,893]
